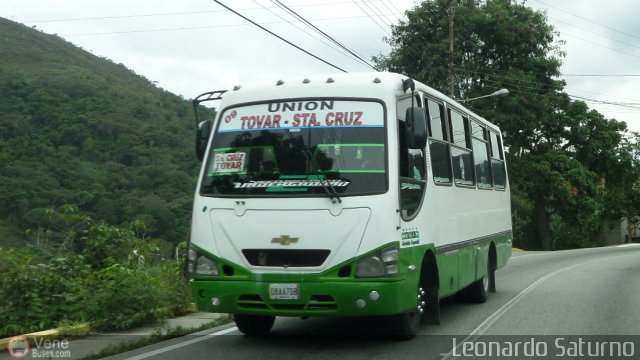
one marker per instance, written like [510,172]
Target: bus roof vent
[279,82]
[377,81]
[236,88]
[330,81]
[306,81]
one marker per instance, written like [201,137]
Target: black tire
[431,314]
[478,291]
[254,325]
[492,271]
[406,326]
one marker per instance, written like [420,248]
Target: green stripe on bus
[345,145]
[284,189]
[355,171]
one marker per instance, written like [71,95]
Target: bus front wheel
[407,325]
[254,325]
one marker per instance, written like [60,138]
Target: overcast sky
[192,46]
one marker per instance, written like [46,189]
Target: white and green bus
[360,194]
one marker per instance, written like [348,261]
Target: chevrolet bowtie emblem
[284,240]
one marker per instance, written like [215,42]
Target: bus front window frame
[320,136]
[412,167]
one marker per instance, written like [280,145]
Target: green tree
[79,129]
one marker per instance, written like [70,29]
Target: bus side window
[497,161]
[411,166]
[411,160]
[438,145]
[480,142]
[461,154]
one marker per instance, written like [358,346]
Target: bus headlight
[206,266]
[379,264]
[370,267]
[390,260]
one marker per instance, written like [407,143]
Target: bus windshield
[306,147]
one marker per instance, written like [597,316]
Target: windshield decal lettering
[301,105]
[303,114]
[344,118]
[229,162]
[260,121]
[290,183]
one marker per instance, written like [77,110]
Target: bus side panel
[467,265]
[448,272]
[503,250]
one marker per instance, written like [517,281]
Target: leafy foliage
[115,281]
[79,129]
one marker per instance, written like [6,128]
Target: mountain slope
[78,129]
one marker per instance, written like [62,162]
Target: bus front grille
[251,301]
[286,258]
[316,303]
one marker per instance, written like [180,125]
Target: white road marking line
[514,257]
[185,343]
[551,252]
[484,326]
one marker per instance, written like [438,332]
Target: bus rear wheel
[478,292]
[254,325]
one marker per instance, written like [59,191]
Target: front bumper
[317,298]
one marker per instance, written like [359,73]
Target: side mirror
[202,138]
[416,125]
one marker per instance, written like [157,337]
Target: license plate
[284,291]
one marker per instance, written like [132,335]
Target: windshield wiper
[327,187]
[333,194]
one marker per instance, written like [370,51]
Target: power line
[603,75]
[159,14]
[534,84]
[295,14]
[391,12]
[204,27]
[370,17]
[373,4]
[634,106]
[586,19]
[394,6]
[181,13]
[301,29]
[627,105]
[278,36]
[595,33]
[125,16]
[373,11]
[604,46]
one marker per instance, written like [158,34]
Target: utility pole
[452,71]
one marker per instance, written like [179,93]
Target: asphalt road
[556,301]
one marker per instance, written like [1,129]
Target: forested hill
[79,129]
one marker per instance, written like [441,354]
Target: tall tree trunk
[542,225]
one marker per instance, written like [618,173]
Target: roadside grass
[161,334]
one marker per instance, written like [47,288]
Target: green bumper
[317,298]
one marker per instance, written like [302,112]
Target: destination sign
[303,114]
